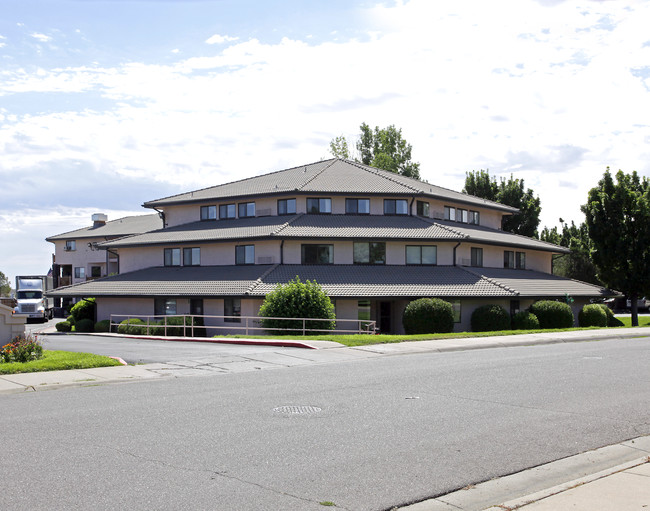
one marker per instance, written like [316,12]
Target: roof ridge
[386,174]
[315,175]
[286,224]
[260,279]
[490,280]
[446,228]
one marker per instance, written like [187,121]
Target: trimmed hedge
[131,326]
[490,318]
[84,309]
[70,319]
[84,325]
[553,314]
[592,315]
[612,321]
[63,326]
[103,326]
[525,320]
[428,316]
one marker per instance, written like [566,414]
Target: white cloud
[220,39]
[41,37]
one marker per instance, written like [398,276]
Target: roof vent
[99,219]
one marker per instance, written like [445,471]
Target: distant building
[373,239]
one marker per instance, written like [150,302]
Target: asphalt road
[372,434]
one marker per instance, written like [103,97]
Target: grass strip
[58,360]
[627,321]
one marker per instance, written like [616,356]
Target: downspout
[457,245]
[161,214]
[282,252]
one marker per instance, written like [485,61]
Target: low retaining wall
[10,325]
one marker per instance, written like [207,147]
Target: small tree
[5,286]
[297,299]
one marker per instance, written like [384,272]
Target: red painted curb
[119,360]
[283,344]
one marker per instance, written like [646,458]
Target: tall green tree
[384,149]
[618,221]
[5,286]
[511,192]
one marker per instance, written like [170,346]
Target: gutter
[161,214]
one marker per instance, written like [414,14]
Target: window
[70,245]
[192,256]
[246,209]
[521,260]
[357,206]
[455,307]
[474,217]
[450,213]
[287,207]
[461,215]
[164,306]
[396,207]
[172,257]
[315,206]
[514,307]
[80,272]
[477,257]
[232,308]
[196,306]
[245,254]
[421,254]
[95,271]
[363,311]
[317,254]
[370,253]
[208,212]
[508,259]
[423,208]
[226,211]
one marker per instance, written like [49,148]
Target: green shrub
[428,316]
[84,325]
[525,320]
[592,315]
[490,318]
[84,309]
[297,299]
[553,314]
[63,326]
[22,348]
[70,319]
[612,321]
[103,326]
[131,326]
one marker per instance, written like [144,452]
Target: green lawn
[57,360]
[643,321]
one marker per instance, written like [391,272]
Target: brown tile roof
[121,227]
[333,176]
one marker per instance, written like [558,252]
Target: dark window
[164,306]
[474,217]
[508,259]
[95,271]
[226,211]
[477,257]
[514,307]
[461,215]
[245,254]
[357,206]
[421,254]
[208,212]
[315,206]
[192,256]
[521,260]
[196,306]
[246,209]
[396,207]
[423,208]
[80,272]
[172,257]
[70,245]
[232,308]
[317,254]
[450,213]
[287,207]
[369,253]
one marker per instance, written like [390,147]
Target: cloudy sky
[105,104]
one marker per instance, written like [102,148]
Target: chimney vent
[99,219]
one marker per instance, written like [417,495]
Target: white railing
[246,325]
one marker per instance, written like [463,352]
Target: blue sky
[107,104]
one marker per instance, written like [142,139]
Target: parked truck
[31,299]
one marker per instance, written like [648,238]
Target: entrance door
[385,317]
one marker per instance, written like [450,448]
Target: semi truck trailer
[31,299]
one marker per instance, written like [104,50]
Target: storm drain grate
[297,410]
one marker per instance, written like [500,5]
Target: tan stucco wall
[83,256]
[10,326]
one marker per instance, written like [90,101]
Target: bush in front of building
[70,319]
[131,326]
[297,299]
[84,309]
[63,326]
[428,316]
[592,315]
[490,318]
[84,325]
[525,320]
[103,326]
[612,321]
[553,314]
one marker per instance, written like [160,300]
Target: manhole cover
[297,410]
